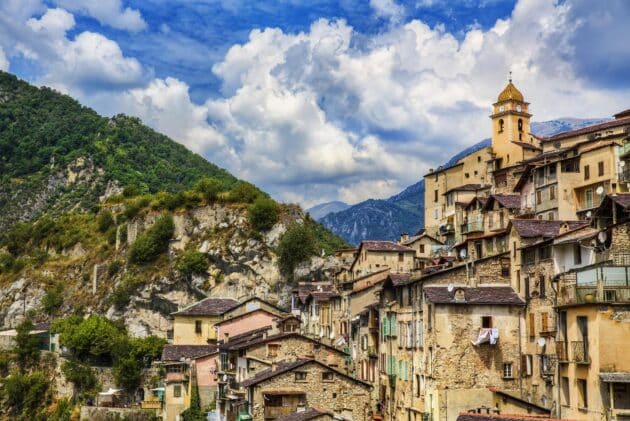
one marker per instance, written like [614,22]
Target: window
[300,376]
[501,125]
[600,168]
[486,322]
[551,216]
[526,281]
[588,198]
[435,214]
[198,327]
[552,193]
[467,175]
[507,371]
[520,125]
[401,257]
[587,172]
[177,391]
[544,322]
[327,376]
[435,196]
[538,197]
[527,365]
[418,385]
[552,173]
[542,287]
[532,327]
[582,393]
[545,252]
[421,248]
[272,350]
[577,254]
[566,396]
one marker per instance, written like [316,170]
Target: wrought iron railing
[561,351]
[471,227]
[580,352]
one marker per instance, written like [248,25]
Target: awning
[615,377]
[110,392]
[158,389]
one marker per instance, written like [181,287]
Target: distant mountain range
[386,219]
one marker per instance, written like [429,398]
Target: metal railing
[561,351]
[471,227]
[580,352]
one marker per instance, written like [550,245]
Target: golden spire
[510,92]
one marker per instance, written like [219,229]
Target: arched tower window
[501,124]
[520,125]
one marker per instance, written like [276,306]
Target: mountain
[404,212]
[57,155]
[323,209]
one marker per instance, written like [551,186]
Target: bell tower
[510,126]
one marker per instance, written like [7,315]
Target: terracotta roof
[509,201]
[304,290]
[528,228]
[177,352]
[474,296]
[383,246]
[259,338]
[244,315]
[208,307]
[309,414]
[590,129]
[468,187]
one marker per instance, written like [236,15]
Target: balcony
[624,176]
[561,351]
[471,227]
[601,284]
[372,352]
[547,366]
[580,352]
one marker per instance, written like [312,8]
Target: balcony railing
[561,351]
[607,283]
[471,227]
[580,352]
[547,366]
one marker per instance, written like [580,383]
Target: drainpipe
[520,354]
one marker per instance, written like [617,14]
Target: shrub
[209,189]
[113,268]
[26,395]
[154,242]
[127,373]
[147,349]
[192,262]
[94,337]
[53,300]
[17,238]
[263,214]
[104,221]
[122,293]
[62,412]
[244,192]
[26,346]
[6,262]
[296,245]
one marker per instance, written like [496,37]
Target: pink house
[207,369]
[244,323]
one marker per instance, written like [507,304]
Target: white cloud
[388,9]
[4,61]
[107,12]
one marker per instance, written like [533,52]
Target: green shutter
[393,323]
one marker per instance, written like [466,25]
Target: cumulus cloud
[329,113]
[388,9]
[107,12]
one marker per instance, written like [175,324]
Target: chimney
[404,237]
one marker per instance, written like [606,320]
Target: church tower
[510,127]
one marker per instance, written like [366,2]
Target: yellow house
[195,324]
[374,256]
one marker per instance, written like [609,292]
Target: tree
[209,188]
[26,346]
[244,192]
[82,377]
[105,220]
[91,338]
[127,373]
[26,395]
[53,300]
[263,214]
[192,262]
[154,242]
[296,245]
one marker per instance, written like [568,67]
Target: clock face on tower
[501,108]
[519,108]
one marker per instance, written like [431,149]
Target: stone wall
[342,395]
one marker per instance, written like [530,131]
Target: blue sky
[323,100]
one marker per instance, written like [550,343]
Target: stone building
[290,386]
[424,245]
[374,256]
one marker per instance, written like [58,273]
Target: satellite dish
[622,164]
[602,237]
[589,214]
[462,253]
[599,190]
[541,342]
[450,287]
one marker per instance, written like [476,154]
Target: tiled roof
[309,414]
[590,129]
[504,417]
[177,352]
[383,246]
[468,187]
[622,199]
[509,201]
[578,234]
[208,307]
[399,278]
[528,228]
[527,146]
[281,367]
[475,296]
[416,237]
[258,338]
[304,290]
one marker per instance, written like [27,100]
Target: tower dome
[510,93]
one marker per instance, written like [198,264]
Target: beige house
[424,245]
[374,256]
[195,324]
